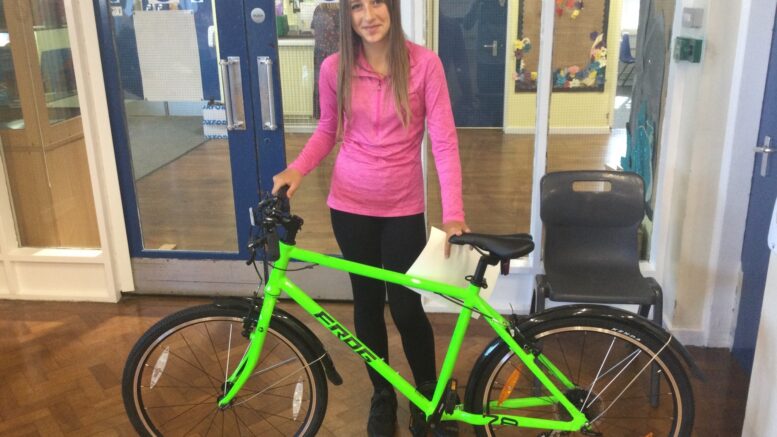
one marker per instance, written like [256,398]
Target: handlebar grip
[283,199]
[272,250]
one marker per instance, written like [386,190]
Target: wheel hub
[579,396]
[226,387]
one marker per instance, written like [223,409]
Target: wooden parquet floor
[496,173]
[61,365]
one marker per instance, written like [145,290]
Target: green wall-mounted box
[687,49]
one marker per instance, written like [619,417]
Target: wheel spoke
[564,355]
[632,380]
[593,384]
[614,394]
[206,390]
[229,350]
[237,424]
[191,407]
[210,377]
[241,421]
[210,424]
[285,378]
[582,354]
[203,346]
[260,412]
[274,366]
[213,346]
[198,423]
[195,357]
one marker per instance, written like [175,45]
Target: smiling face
[370,20]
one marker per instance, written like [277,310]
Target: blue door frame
[755,252]
[255,154]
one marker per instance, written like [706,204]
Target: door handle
[266,93]
[232,89]
[766,150]
[494,48]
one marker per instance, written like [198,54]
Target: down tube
[350,340]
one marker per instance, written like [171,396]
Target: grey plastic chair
[591,220]
[590,250]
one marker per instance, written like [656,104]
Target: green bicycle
[242,366]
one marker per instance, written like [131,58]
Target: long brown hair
[398,61]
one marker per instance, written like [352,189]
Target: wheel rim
[613,371]
[183,399]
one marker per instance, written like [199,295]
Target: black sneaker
[383,413]
[418,425]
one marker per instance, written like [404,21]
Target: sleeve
[323,139]
[445,143]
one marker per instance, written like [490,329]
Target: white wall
[760,417]
[711,124]
[751,62]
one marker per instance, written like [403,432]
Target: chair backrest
[591,218]
[625,49]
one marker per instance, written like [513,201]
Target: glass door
[191,89]
[41,132]
[308,32]
[495,125]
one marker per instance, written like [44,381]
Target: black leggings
[392,243]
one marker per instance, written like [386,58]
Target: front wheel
[614,384]
[176,373]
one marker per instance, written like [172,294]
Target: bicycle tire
[563,340]
[190,350]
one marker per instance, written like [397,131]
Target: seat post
[480,271]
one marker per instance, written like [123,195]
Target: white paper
[169,56]
[433,265]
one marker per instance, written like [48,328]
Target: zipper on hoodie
[378,107]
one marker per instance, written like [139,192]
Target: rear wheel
[609,364]
[175,375]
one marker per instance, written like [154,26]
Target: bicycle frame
[278,283]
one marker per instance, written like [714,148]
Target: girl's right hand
[290,177]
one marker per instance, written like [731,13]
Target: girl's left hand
[453,228]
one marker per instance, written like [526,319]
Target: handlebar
[272,213]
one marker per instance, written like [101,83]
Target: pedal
[446,405]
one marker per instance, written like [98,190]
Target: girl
[376,93]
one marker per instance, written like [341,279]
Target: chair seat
[609,286]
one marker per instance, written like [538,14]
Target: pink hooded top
[378,169]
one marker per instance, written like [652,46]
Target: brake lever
[252,250]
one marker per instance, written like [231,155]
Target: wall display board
[579,50]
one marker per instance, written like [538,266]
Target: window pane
[10,104]
[55,60]
[496,132]
[176,123]
[606,96]
[308,34]
[46,165]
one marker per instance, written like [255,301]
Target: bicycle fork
[245,368]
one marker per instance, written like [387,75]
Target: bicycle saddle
[503,247]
